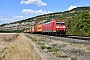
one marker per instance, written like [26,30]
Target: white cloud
[17,17]
[71,7]
[10,19]
[3,18]
[37,2]
[30,11]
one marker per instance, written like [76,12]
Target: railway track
[71,39]
[78,37]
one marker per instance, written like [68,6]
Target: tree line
[79,24]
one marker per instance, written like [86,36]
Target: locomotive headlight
[64,27]
[57,26]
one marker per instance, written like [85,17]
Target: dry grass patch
[21,48]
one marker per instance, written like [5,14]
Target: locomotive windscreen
[60,23]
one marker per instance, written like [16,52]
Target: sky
[16,10]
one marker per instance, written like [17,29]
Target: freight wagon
[39,28]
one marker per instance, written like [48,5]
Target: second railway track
[78,37]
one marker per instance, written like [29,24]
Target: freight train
[53,27]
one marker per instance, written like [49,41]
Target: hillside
[74,20]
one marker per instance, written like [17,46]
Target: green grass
[1,54]
[3,50]
[43,47]
[73,58]
[52,49]
[60,55]
[33,39]
[88,48]
[63,56]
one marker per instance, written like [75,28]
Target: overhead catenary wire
[70,4]
[65,6]
[52,4]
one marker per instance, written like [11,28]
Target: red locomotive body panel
[48,27]
[55,26]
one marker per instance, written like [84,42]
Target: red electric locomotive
[55,27]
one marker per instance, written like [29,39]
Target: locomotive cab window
[60,23]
